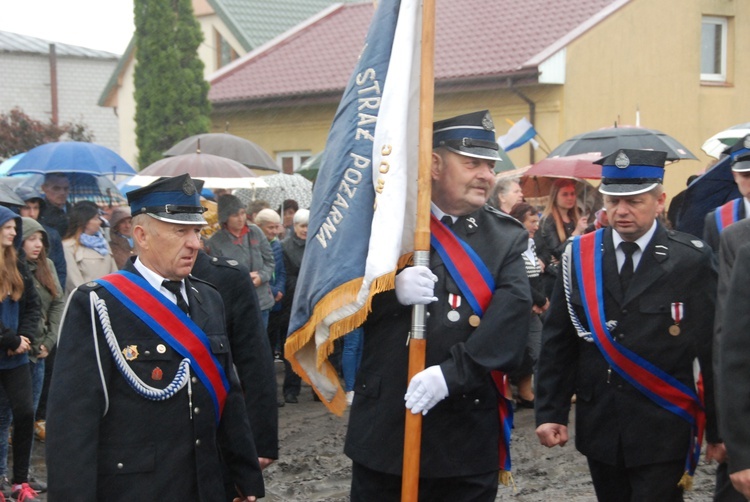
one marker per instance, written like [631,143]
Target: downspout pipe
[532,114]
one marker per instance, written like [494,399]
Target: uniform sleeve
[734,373]
[75,406]
[555,381]
[499,342]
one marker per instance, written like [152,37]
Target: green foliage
[20,133]
[170,92]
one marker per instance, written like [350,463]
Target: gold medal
[474,320]
[674,330]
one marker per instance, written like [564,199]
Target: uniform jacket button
[119,465]
[476,402]
[621,336]
[196,410]
[197,442]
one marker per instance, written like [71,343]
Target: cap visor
[477,153]
[180,218]
[623,190]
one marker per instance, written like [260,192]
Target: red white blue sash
[727,214]
[477,285]
[659,386]
[174,327]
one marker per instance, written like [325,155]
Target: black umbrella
[607,140]
[229,146]
[709,191]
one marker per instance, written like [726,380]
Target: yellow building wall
[646,57]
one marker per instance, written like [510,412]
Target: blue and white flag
[363,211]
[519,134]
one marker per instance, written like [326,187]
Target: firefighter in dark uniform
[650,294]
[144,402]
[737,209]
[461,426]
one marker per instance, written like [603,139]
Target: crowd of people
[610,312]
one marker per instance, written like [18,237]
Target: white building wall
[25,83]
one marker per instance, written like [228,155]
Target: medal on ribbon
[455,302]
[678,311]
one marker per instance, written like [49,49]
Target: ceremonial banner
[363,211]
[518,135]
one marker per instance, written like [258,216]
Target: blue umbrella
[71,157]
[706,193]
[7,164]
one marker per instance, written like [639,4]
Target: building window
[224,52]
[290,161]
[714,49]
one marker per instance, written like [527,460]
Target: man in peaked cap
[624,328]
[737,209]
[144,402]
[729,227]
[460,456]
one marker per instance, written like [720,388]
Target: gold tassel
[686,483]
[506,478]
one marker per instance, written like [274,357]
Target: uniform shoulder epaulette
[688,240]
[89,286]
[503,216]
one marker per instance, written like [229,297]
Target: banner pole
[417,342]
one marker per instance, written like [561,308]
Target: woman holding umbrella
[87,253]
[561,219]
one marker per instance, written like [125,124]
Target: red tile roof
[474,39]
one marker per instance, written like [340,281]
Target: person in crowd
[528,215]
[254,207]
[54,212]
[737,209]
[248,245]
[19,322]
[120,238]
[561,220]
[137,411]
[87,252]
[733,377]
[600,221]
[293,248]
[461,428]
[32,209]
[675,205]
[732,237]
[351,358]
[506,194]
[634,310]
[251,352]
[269,222]
[288,208]
[50,294]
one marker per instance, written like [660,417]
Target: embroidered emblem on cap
[622,161]
[487,122]
[188,187]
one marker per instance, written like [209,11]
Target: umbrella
[607,140]
[579,166]
[7,164]
[71,157]
[712,189]
[309,168]
[215,171]
[280,187]
[83,186]
[226,145]
[7,194]
[715,145]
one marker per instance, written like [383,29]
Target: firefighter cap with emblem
[471,134]
[740,155]
[173,200]
[631,172]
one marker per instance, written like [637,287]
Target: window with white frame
[291,160]
[714,49]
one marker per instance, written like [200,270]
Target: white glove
[426,389]
[416,286]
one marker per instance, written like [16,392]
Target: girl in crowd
[87,253]
[561,219]
[19,321]
[528,215]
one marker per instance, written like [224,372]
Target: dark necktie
[174,288]
[627,270]
[447,221]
